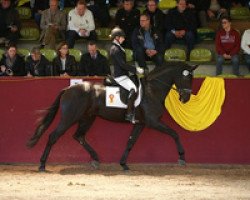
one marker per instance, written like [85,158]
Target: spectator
[227,46]
[37,64]
[64,64]
[38,8]
[245,45]
[147,43]
[53,23]
[93,63]
[156,15]
[127,18]
[181,24]
[100,10]
[80,24]
[122,69]
[9,23]
[12,64]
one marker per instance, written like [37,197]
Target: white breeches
[126,82]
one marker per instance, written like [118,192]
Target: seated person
[156,15]
[81,24]
[180,24]
[208,9]
[64,64]
[147,43]
[9,23]
[36,64]
[100,10]
[12,64]
[227,43]
[127,18]
[245,46]
[53,24]
[38,8]
[93,63]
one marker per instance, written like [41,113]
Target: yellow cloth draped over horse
[202,109]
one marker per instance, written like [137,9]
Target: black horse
[82,103]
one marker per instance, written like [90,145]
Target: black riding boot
[130,115]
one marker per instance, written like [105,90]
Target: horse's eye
[185,72]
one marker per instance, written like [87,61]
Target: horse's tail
[45,121]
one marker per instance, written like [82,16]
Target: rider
[122,69]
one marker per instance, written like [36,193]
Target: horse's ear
[193,67]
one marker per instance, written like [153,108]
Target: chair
[103,33]
[175,54]
[205,34]
[50,54]
[167,4]
[24,12]
[67,9]
[76,53]
[129,55]
[29,33]
[240,13]
[200,55]
[104,52]
[23,52]
[1,53]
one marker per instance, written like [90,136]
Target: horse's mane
[165,68]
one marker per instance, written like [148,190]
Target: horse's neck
[157,89]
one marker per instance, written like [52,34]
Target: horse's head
[183,82]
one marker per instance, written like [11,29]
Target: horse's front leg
[160,126]
[137,129]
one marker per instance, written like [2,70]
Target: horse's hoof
[41,169]
[95,164]
[182,162]
[125,167]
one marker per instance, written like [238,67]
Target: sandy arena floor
[144,181]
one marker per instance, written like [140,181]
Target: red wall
[226,141]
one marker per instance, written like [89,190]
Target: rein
[171,87]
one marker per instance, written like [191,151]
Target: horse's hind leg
[83,127]
[132,140]
[54,136]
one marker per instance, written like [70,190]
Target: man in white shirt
[245,46]
[81,24]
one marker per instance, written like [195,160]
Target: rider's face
[121,39]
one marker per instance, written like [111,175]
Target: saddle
[113,88]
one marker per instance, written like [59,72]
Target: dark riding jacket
[118,58]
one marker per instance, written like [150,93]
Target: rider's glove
[139,70]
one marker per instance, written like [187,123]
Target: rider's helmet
[117,32]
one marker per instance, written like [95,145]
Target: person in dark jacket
[156,15]
[122,70]
[12,64]
[147,43]
[93,63]
[10,23]
[36,64]
[64,64]
[180,24]
[127,18]
[209,9]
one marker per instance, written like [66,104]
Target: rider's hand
[139,70]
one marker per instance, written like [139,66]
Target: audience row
[92,63]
